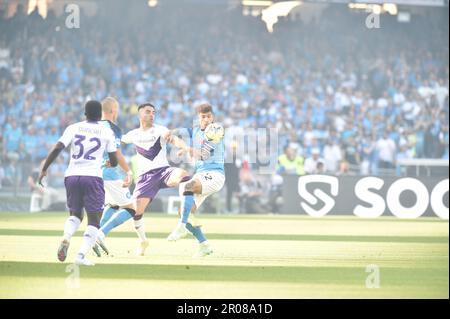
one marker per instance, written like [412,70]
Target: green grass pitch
[264,256]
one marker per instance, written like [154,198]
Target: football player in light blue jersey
[119,205]
[209,178]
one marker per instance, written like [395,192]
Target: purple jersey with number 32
[88,142]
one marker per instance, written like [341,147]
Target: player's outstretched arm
[170,138]
[126,139]
[184,148]
[124,165]
[49,160]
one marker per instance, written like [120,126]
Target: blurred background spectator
[312,163]
[251,193]
[290,162]
[2,174]
[232,171]
[332,155]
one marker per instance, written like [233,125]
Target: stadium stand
[378,97]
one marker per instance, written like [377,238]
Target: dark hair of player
[146,104]
[204,108]
[93,110]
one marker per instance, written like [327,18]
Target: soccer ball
[214,132]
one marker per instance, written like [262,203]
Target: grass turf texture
[255,257]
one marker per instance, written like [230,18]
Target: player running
[209,178]
[116,180]
[83,178]
[155,173]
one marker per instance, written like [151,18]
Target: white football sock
[70,227]
[89,237]
[140,229]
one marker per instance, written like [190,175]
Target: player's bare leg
[176,177]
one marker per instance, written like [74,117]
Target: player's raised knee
[193,186]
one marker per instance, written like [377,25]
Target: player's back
[88,142]
[215,162]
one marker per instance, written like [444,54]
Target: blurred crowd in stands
[344,98]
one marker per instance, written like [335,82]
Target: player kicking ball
[116,180]
[150,141]
[88,142]
[209,178]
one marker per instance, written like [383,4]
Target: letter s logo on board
[312,199]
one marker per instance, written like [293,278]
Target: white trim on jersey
[150,147]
